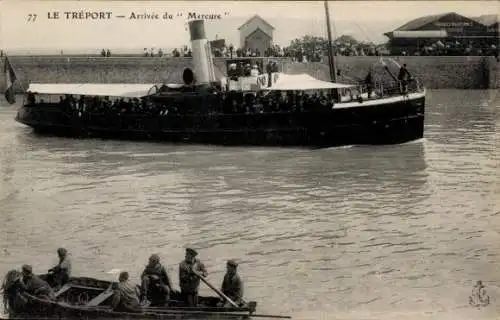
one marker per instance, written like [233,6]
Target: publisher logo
[479,297]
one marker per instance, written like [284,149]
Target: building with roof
[256,34]
[451,31]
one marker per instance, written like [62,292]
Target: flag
[10,79]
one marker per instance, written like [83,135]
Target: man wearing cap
[155,274]
[33,285]
[232,285]
[62,271]
[125,298]
[188,280]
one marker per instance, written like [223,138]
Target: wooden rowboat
[89,298]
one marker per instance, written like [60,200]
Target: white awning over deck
[93,89]
[303,82]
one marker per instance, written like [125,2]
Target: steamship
[267,109]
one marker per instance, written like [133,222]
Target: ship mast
[331,63]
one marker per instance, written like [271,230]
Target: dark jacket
[157,270]
[125,298]
[404,74]
[35,286]
[188,281]
[232,286]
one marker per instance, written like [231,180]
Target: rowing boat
[90,298]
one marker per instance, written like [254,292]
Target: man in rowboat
[232,285]
[125,298]
[188,280]
[155,274]
[60,274]
[33,285]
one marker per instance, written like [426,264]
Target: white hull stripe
[380,101]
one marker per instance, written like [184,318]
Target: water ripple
[344,230]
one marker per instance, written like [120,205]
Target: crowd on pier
[426,48]
[296,54]
[449,48]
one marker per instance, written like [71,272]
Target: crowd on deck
[260,102]
[238,103]
[233,101]
[230,103]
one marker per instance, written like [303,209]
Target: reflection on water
[392,231]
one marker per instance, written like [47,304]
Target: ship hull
[373,122]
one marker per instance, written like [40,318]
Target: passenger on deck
[33,285]
[232,285]
[62,271]
[31,98]
[274,67]
[232,72]
[369,83]
[155,274]
[125,298]
[255,71]
[247,70]
[188,280]
[404,77]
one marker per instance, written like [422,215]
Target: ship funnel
[202,57]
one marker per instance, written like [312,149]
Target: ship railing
[379,90]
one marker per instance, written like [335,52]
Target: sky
[365,20]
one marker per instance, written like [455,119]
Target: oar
[222,295]
[211,313]
[208,313]
[167,311]
[269,316]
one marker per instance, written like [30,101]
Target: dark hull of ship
[375,123]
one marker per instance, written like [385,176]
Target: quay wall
[436,72]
